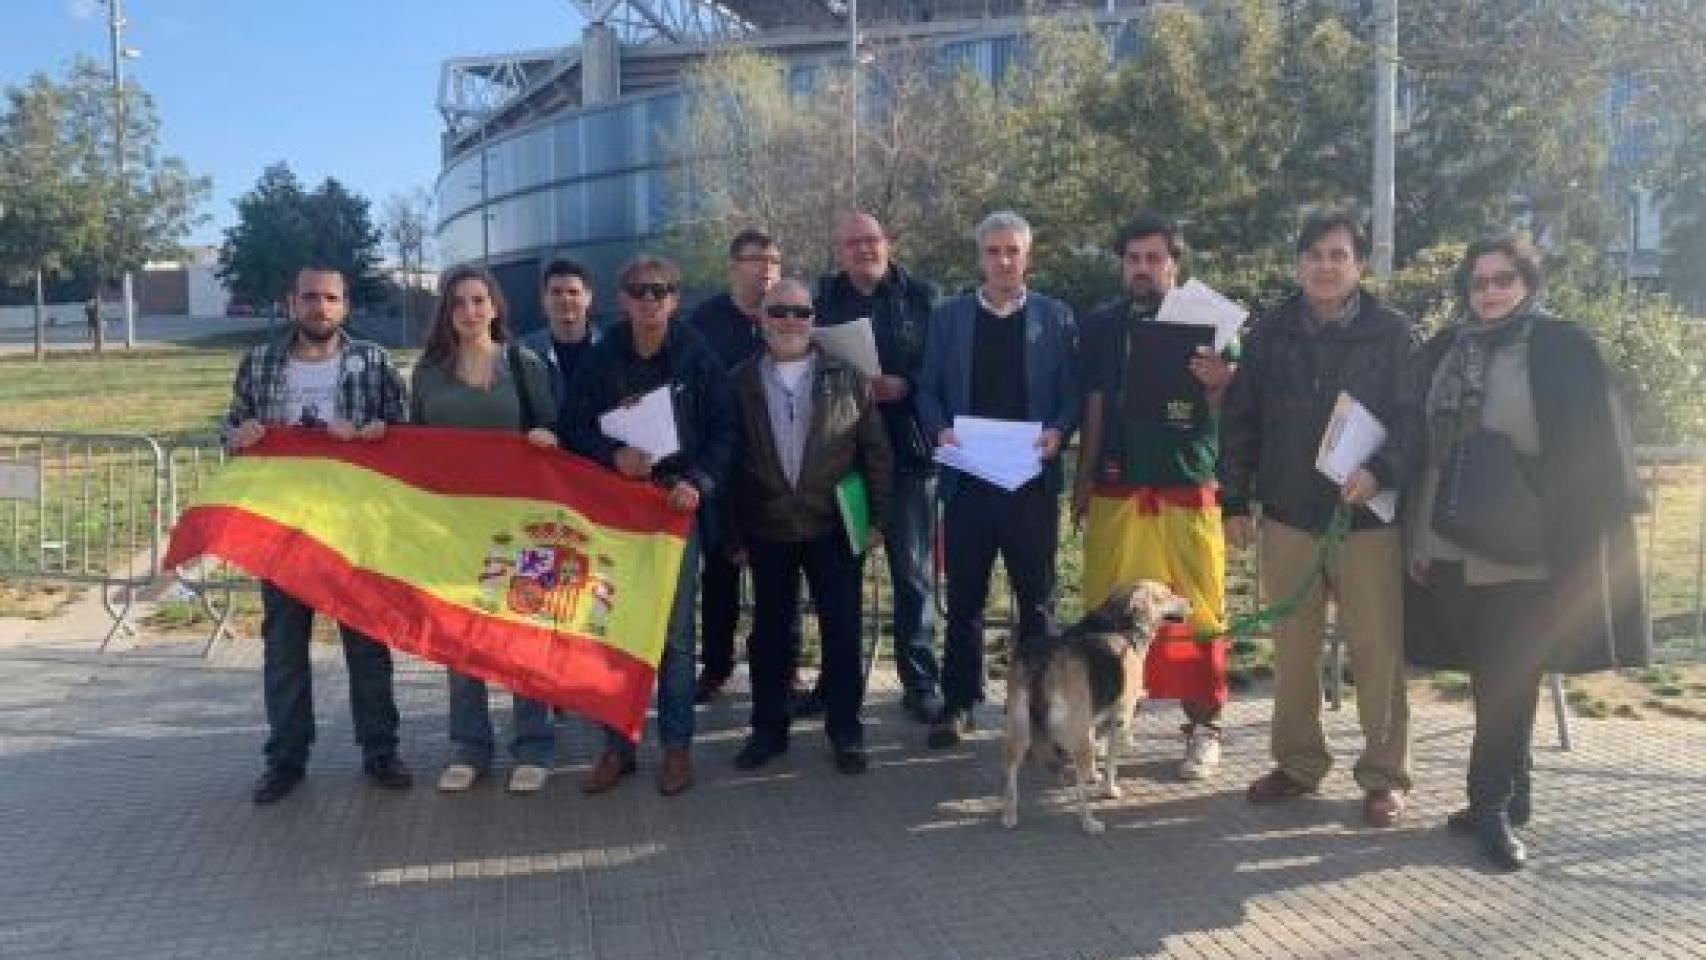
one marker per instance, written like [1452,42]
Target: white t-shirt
[311,391]
[791,372]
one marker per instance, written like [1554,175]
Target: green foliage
[66,209]
[1684,196]
[280,227]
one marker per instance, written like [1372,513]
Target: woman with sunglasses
[653,351]
[471,375]
[1521,537]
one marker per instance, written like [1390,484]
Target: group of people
[1510,554]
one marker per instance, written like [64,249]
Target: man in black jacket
[648,352]
[1330,339]
[898,304]
[729,324]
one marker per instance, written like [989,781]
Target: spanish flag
[527,567]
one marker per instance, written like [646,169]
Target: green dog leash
[1262,619]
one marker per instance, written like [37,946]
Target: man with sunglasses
[730,324]
[807,422]
[648,352]
[1330,338]
[898,303]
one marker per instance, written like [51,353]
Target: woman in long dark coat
[1536,567]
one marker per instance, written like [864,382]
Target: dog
[1076,690]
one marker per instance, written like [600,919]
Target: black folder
[1159,386]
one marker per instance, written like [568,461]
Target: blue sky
[340,88]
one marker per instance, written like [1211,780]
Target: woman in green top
[472,376]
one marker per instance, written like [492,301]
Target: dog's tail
[1034,654]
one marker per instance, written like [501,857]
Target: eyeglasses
[789,311]
[1503,280]
[654,291]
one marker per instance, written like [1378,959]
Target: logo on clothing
[548,572]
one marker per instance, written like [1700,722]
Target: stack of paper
[1352,436]
[1197,304]
[852,343]
[647,423]
[1001,452]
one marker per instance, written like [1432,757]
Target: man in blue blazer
[1007,353]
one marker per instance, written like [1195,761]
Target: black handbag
[1486,503]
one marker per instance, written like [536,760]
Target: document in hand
[853,500]
[1001,452]
[853,343]
[1352,436]
[647,423]
[1198,304]
[1158,384]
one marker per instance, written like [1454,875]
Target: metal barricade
[83,508]
[212,584]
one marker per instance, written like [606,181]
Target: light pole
[1385,119]
[853,99]
[115,30]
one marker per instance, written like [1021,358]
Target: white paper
[1001,452]
[647,423]
[1353,435]
[1198,304]
[853,343]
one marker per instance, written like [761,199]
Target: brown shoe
[610,769]
[1276,787]
[1382,808]
[676,774]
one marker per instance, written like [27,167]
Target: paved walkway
[125,830]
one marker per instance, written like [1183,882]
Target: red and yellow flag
[527,567]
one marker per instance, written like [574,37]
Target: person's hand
[873,539]
[1048,444]
[888,389]
[1240,531]
[1210,369]
[946,438]
[633,463]
[684,497]
[374,430]
[541,437]
[1420,571]
[341,430]
[247,434]
[1359,488]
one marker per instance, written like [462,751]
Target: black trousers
[980,522]
[833,573]
[719,614]
[1503,626]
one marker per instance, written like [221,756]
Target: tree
[406,222]
[67,210]
[280,227]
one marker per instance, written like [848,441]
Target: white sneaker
[528,778]
[457,778]
[1202,754]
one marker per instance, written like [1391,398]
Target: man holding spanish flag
[649,352]
[318,377]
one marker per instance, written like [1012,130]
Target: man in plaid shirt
[318,377]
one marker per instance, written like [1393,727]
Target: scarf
[1456,398]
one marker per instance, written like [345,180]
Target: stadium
[561,151]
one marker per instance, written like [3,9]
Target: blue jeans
[287,679]
[675,670]
[911,537]
[535,740]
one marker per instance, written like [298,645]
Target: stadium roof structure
[482,95]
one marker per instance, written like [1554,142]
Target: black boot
[1499,845]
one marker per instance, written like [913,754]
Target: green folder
[854,501]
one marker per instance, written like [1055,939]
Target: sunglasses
[1503,280]
[789,311]
[654,291]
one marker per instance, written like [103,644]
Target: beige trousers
[1365,580]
